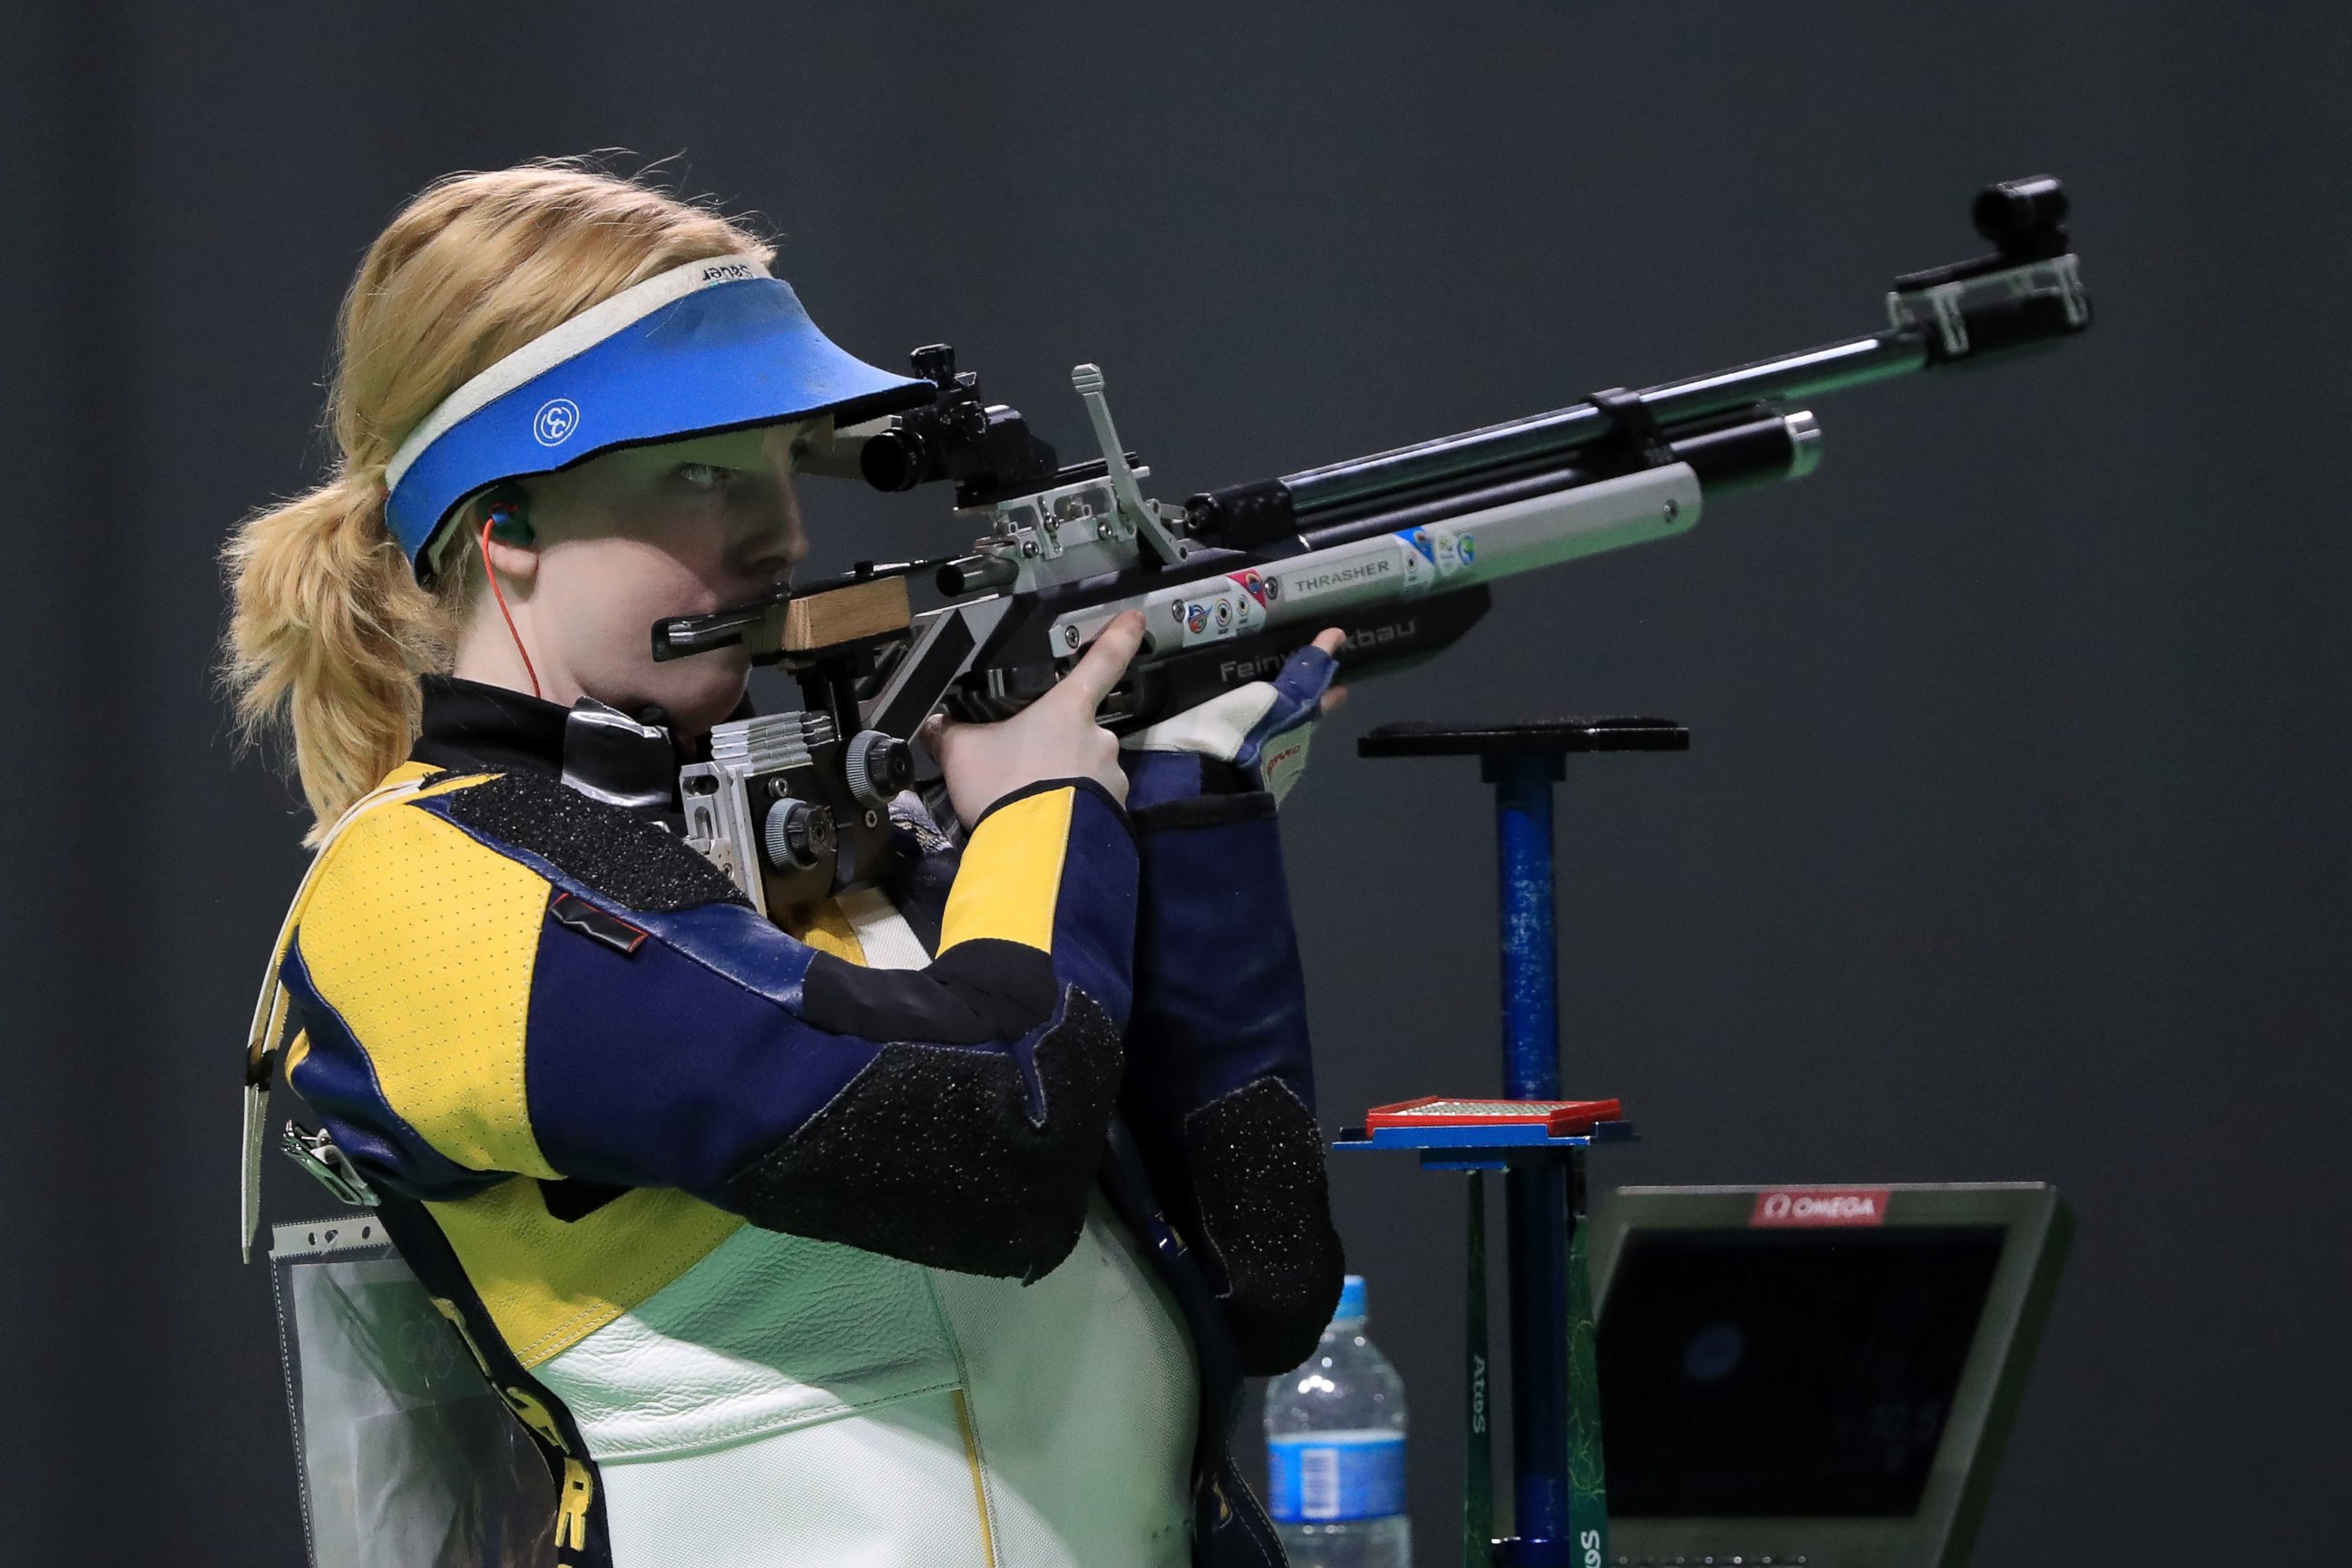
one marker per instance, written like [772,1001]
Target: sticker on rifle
[1417,559]
[1386,567]
[1454,552]
[1447,550]
[1220,617]
[1257,586]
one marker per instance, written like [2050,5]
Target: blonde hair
[329,628]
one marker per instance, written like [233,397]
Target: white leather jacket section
[789,1401]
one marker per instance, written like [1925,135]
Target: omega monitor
[1814,1375]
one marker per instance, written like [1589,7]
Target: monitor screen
[1782,1373]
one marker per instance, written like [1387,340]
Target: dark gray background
[2011,843]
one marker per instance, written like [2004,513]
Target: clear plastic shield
[407,1458]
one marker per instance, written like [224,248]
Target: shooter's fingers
[930,733]
[1331,639]
[1105,662]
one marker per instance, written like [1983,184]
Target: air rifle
[1395,549]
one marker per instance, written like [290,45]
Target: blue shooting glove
[1257,733]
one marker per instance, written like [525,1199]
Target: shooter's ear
[500,524]
[509,514]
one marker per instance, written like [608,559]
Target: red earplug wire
[496,593]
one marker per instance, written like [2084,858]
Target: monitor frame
[2037,1229]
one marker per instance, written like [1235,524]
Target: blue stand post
[1523,883]
[1555,1419]
[1535,1197]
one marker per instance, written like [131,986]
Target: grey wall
[2011,844]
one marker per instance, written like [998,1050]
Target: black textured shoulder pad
[931,1153]
[1256,1159]
[618,853]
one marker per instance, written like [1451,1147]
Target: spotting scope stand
[1559,1507]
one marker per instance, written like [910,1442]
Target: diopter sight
[985,448]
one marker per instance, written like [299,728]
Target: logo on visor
[555,421]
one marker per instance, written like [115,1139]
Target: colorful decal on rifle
[1447,550]
[1257,586]
[1219,615]
[1419,539]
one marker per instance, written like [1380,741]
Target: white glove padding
[1261,728]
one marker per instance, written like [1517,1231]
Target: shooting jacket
[937,1225]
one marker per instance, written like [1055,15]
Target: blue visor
[713,345]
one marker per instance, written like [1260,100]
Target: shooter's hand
[1054,737]
[1261,728]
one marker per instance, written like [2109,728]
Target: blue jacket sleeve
[670,1036]
[1220,1085]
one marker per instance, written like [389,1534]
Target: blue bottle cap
[1351,1300]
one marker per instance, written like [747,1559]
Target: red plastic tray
[1558,1118]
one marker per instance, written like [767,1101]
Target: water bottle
[1334,1451]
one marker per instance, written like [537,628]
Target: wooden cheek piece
[845,615]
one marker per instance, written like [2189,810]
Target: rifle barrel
[1769,447]
[1547,437]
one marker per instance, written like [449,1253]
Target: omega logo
[1838,1205]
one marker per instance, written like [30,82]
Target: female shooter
[933,1225]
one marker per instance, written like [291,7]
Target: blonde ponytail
[329,628]
[329,635]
